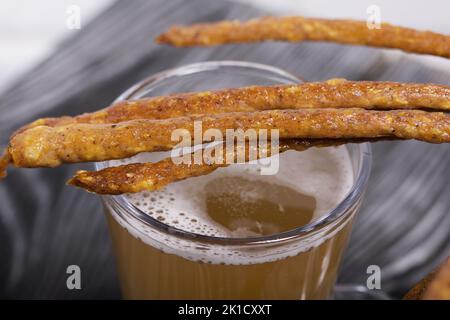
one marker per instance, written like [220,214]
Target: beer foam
[324,173]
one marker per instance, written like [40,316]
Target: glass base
[357,292]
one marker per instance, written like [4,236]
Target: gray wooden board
[45,226]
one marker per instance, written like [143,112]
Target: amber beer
[237,234]
[238,203]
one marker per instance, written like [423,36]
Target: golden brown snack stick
[296,29]
[435,286]
[417,292]
[439,287]
[136,177]
[49,147]
[5,158]
[334,93]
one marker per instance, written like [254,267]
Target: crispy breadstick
[296,29]
[435,286]
[416,293]
[136,177]
[49,147]
[5,158]
[439,287]
[334,93]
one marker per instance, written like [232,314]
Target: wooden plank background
[46,226]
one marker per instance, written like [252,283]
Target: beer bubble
[238,201]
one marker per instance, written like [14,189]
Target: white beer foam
[324,173]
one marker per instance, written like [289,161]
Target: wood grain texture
[46,226]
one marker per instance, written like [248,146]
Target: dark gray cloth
[45,226]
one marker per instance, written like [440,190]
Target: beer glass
[156,260]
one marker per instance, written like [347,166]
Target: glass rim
[352,197]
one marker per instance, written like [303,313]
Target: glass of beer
[235,233]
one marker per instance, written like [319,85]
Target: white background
[30,30]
